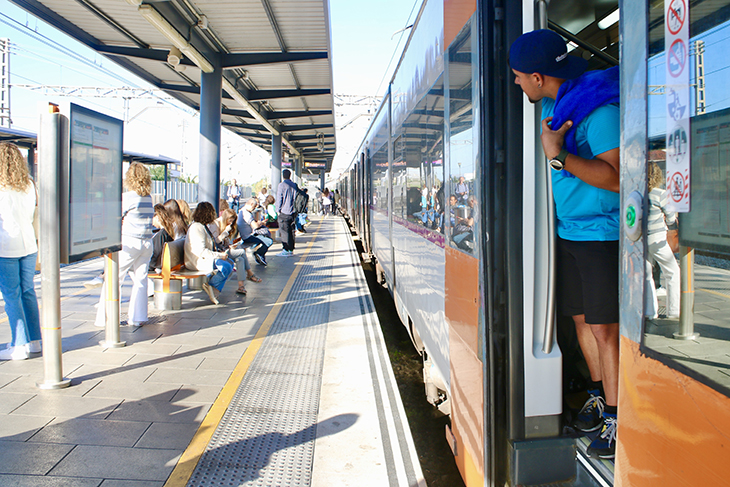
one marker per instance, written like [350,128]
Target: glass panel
[418,164]
[706,228]
[462,202]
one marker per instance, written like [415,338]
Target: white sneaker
[283,253]
[14,353]
[95,282]
[660,291]
[34,346]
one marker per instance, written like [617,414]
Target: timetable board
[94,186]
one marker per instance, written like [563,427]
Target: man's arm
[601,172]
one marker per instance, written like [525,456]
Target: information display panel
[91,223]
[707,226]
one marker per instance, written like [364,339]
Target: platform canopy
[276,57]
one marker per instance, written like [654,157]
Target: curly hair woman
[18,253]
[137,215]
[201,253]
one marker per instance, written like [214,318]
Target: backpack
[300,203]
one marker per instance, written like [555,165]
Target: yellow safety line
[192,454]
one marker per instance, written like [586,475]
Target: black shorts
[588,279]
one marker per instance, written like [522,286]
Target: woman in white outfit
[660,221]
[18,252]
[137,215]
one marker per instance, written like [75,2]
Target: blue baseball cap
[544,51]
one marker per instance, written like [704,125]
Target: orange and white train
[448,193]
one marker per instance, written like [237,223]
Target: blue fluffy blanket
[578,97]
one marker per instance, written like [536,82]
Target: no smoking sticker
[676,14]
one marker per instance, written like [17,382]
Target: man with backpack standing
[285,197]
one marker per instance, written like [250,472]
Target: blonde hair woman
[18,253]
[134,258]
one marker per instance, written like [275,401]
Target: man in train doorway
[580,138]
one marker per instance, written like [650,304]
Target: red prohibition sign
[677,187]
[680,59]
[676,16]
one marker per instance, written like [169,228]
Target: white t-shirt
[17,238]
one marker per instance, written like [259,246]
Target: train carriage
[449,194]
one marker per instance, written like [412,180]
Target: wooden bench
[168,283]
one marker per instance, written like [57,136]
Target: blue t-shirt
[584,212]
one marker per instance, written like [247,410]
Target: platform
[288,385]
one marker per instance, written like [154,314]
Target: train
[449,194]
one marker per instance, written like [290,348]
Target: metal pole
[542,14]
[31,163]
[53,150]
[111,288]
[210,135]
[276,158]
[687,301]
[165,190]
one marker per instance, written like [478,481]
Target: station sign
[677,95]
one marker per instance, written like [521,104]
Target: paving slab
[17,457]
[21,428]
[117,463]
[47,481]
[163,411]
[91,432]
[168,435]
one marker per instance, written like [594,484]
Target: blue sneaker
[260,259]
[590,417]
[604,446]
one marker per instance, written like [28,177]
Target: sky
[365,52]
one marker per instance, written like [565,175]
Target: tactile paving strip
[266,437]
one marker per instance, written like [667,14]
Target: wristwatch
[559,161]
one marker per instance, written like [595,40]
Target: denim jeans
[21,304]
[218,280]
[256,241]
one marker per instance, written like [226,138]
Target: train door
[674,391]
[368,193]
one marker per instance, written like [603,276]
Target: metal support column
[276,158]
[31,163]
[53,142]
[687,299]
[210,135]
[321,179]
[111,289]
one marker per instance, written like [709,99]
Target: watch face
[556,164]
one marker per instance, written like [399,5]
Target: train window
[418,164]
[461,186]
[688,278]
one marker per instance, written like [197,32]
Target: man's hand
[552,140]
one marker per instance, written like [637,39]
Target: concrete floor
[131,412]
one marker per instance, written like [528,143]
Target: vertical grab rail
[549,337]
